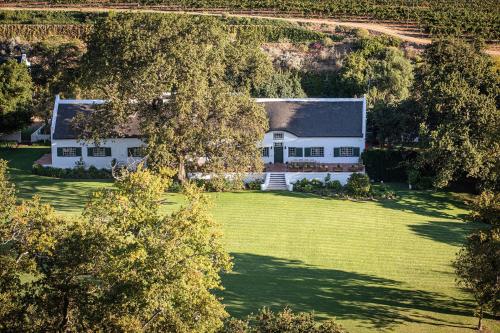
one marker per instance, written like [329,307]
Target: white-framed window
[317,151]
[295,151]
[346,151]
[69,151]
[278,135]
[98,152]
[265,151]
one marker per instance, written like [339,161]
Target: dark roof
[316,118]
[65,114]
[301,118]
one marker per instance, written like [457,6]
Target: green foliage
[418,180]
[254,184]
[281,84]
[286,321]
[438,17]
[209,74]
[388,165]
[71,173]
[486,208]
[458,88]
[16,90]
[478,269]
[121,267]
[220,184]
[378,68]
[358,185]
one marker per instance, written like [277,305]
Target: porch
[313,166]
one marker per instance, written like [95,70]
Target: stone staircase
[277,182]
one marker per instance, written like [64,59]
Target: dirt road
[406,33]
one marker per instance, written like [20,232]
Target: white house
[307,138]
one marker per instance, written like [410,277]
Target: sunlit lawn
[375,266]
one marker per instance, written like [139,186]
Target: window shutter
[129,152]
[307,152]
[355,151]
[298,152]
[108,151]
[59,152]
[336,152]
[79,151]
[90,152]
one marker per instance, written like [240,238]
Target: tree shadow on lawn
[449,232]
[427,203]
[375,302]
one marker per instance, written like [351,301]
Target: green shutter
[108,151]
[298,152]
[355,151]
[336,152]
[307,152]
[90,151]
[79,151]
[59,152]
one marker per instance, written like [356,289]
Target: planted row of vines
[268,33]
[480,18]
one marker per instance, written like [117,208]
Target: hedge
[388,165]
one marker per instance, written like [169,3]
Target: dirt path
[406,33]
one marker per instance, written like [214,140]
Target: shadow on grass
[453,233]
[374,302]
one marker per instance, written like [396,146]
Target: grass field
[374,266]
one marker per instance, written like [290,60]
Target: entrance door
[278,152]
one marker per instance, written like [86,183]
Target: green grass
[374,266]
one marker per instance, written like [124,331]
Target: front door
[278,152]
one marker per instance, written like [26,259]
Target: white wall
[292,177]
[118,151]
[14,136]
[291,140]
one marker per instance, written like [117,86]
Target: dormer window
[278,136]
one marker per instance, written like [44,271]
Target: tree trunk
[64,321]
[480,317]
[181,174]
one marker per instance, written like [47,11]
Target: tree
[15,96]
[208,123]
[282,84]
[478,269]
[457,89]
[123,266]
[378,69]
[286,321]
[54,72]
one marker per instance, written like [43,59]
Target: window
[69,151]
[98,151]
[346,152]
[317,152]
[136,152]
[265,152]
[278,136]
[295,152]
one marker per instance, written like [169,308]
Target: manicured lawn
[375,266]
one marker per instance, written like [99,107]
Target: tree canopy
[122,266]
[187,81]
[16,90]
[457,90]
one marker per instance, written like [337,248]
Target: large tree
[478,269]
[16,89]
[121,267]
[187,81]
[457,89]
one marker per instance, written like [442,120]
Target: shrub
[388,165]
[254,184]
[358,185]
[219,184]
[486,208]
[75,173]
[419,181]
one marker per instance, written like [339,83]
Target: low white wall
[292,177]
[38,136]
[246,179]
[15,136]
